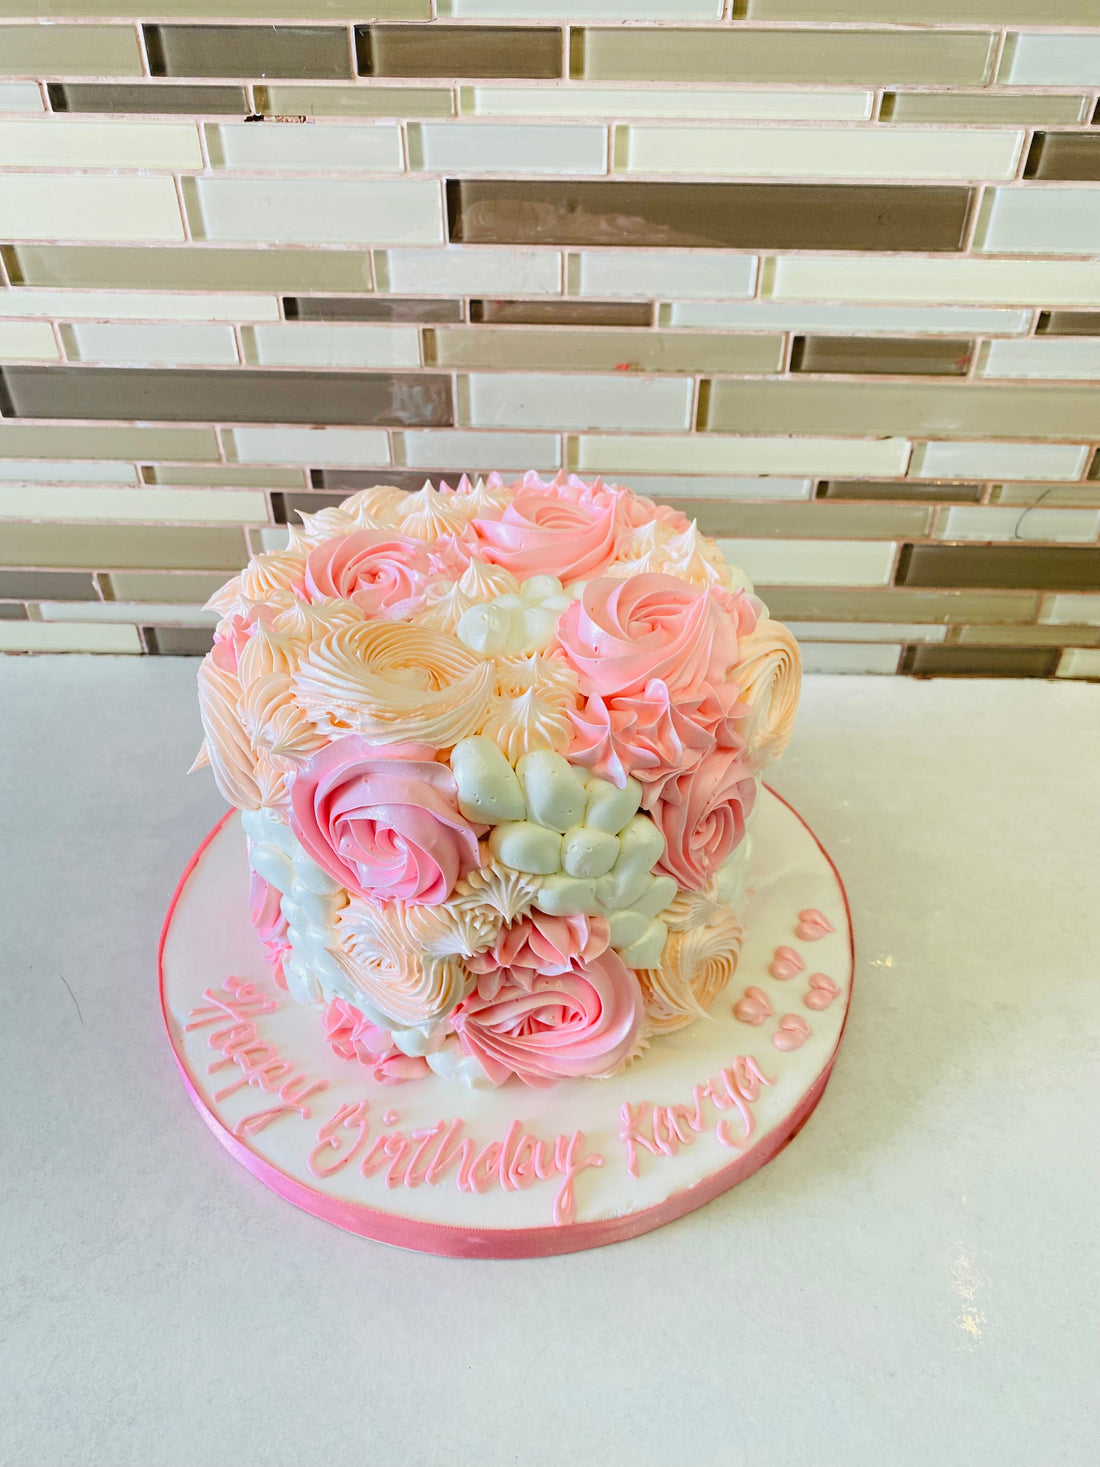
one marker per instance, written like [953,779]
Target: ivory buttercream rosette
[496,749]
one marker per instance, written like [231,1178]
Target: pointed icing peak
[463,485]
[494,481]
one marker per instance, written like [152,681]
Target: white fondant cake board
[702,1109]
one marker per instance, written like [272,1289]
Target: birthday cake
[497,750]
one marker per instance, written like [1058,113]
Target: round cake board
[514,1172]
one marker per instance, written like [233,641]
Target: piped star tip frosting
[498,748]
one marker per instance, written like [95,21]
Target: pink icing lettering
[425,1135]
[570,1162]
[349,1116]
[237,1000]
[483,1173]
[397,1149]
[671,1127]
[631,1137]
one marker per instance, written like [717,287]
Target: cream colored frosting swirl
[695,966]
[261,580]
[769,675]
[226,739]
[394,683]
[531,706]
[406,961]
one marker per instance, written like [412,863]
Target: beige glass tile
[812,562]
[74,503]
[936,356]
[176,345]
[1053,636]
[296,148]
[925,409]
[500,147]
[707,274]
[1094,466]
[316,211]
[68,50]
[369,308]
[484,451]
[606,351]
[999,461]
[151,98]
[161,587]
[757,455]
[793,603]
[222,9]
[296,344]
[307,445]
[1059,60]
[125,547]
[865,631]
[741,54]
[20,96]
[818,519]
[1051,496]
[822,152]
[355,101]
[561,313]
[37,471]
[582,9]
[1072,610]
[980,662]
[1050,356]
[899,489]
[983,107]
[178,641]
[709,215]
[662,487]
[1056,221]
[459,51]
[684,102]
[470,272]
[1076,662]
[834,319]
[150,613]
[36,636]
[61,441]
[887,12]
[224,475]
[77,206]
[1064,155]
[535,400]
[306,52]
[186,395]
[21,585]
[26,340]
[218,269]
[1033,568]
[968,282]
[1008,522]
[1069,323]
[139,305]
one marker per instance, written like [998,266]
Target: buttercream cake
[497,749]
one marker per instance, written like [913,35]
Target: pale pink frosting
[701,814]
[552,1001]
[352,1037]
[383,573]
[383,820]
[265,910]
[623,633]
[234,633]
[567,529]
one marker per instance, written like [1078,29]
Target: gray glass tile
[1064,155]
[186,268]
[1069,323]
[569,312]
[1037,568]
[458,51]
[124,547]
[924,356]
[722,215]
[46,585]
[369,308]
[9,611]
[980,661]
[946,493]
[149,99]
[306,52]
[178,641]
[230,396]
[842,603]
[815,520]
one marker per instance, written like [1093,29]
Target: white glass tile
[52,206]
[1071,610]
[309,344]
[348,447]
[1018,522]
[552,100]
[1054,221]
[72,502]
[842,320]
[907,278]
[468,270]
[162,344]
[511,452]
[38,636]
[824,152]
[999,461]
[26,340]
[137,305]
[649,273]
[20,97]
[142,613]
[812,562]
[561,401]
[308,147]
[1079,662]
[60,143]
[849,658]
[317,211]
[716,454]
[1044,356]
[38,471]
[489,147]
[1052,60]
[865,631]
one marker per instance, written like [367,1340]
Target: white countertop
[912,1283]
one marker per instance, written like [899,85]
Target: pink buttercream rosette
[653,673]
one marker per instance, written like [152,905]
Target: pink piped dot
[390,1118]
